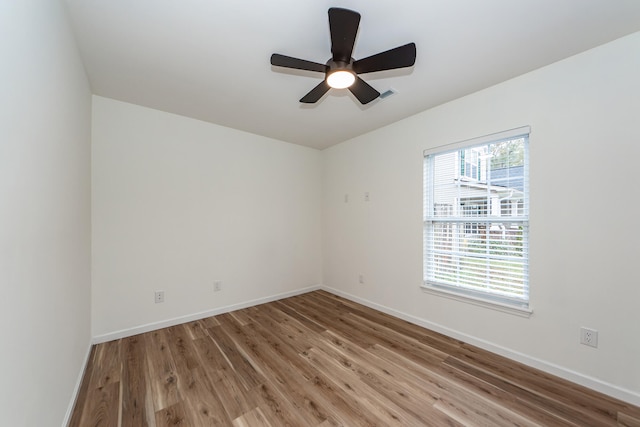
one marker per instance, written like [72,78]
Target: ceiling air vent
[387,94]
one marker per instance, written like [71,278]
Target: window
[476,219]
[471,163]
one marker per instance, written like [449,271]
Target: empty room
[319,213]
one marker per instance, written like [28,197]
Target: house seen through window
[476,218]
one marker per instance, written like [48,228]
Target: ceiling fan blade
[363,91]
[298,64]
[399,57]
[343,25]
[316,93]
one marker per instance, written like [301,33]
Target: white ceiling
[209,59]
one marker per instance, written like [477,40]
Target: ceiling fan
[341,71]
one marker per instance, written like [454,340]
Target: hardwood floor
[320,360]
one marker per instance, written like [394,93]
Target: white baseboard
[76,389]
[196,316]
[559,371]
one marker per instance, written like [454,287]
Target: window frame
[461,292]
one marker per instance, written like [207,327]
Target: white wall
[179,203]
[45,119]
[585,163]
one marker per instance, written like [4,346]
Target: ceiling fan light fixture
[341,79]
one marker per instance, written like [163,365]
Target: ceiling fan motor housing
[339,65]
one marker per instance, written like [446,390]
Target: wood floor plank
[241,316]
[541,383]
[518,385]
[278,408]
[289,329]
[627,420]
[406,390]
[221,379]
[238,361]
[283,306]
[318,359]
[425,336]
[253,418]
[134,383]
[371,401]
[269,363]
[315,393]
[388,337]
[209,322]
[162,370]
[234,397]
[540,407]
[83,393]
[210,355]
[468,407]
[201,400]
[330,320]
[182,348]
[102,409]
[196,329]
[108,364]
[172,416]
[506,398]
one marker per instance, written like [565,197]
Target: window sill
[494,305]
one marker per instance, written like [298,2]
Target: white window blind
[476,217]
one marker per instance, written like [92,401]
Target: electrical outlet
[366,196]
[589,337]
[361,278]
[159,296]
[217,286]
